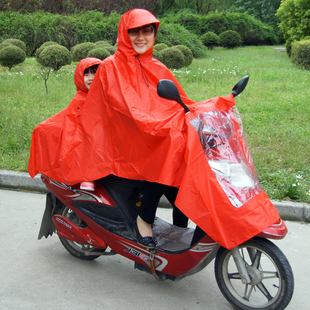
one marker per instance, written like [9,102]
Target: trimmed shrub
[173,58]
[43,46]
[160,46]
[99,52]
[230,39]
[174,34]
[80,51]
[16,42]
[157,55]
[11,56]
[5,44]
[188,55]
[55,56]
[102,42]
[301,54]
[210,39]
[111,49]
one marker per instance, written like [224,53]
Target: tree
[11,56]
[295,20]
[199,6]
[264,10]
[52,57]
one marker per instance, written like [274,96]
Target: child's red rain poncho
[127,130]
[53,136]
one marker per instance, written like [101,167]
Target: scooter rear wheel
[272,281]
[76,249]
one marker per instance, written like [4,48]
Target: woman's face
[142,38]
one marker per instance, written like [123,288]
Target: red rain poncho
[127,130]
[53,136]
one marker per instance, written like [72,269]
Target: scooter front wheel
[272,281]
[76,249]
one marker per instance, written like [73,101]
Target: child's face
[88,79]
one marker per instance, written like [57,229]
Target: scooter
[253,275]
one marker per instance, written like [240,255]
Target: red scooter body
[180,251]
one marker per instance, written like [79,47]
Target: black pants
[152,193]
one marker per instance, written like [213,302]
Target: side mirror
[240,86]
[168,90]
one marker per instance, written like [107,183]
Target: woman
[126,129]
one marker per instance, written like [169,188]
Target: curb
[288,210]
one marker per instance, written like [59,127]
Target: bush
[11,56]
[43,46]
[294,17]
[301,54]
[157,55]
[103,44]
[16,42]
[188,55]
[80,51]
[160,46]
[55,56]
[5,44]
[67,30]
[174,34]
[210,39]
[99,52]
[173,58]
[251,30]
[230,39]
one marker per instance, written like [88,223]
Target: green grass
[275,109]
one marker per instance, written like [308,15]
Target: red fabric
[127,130]
[53,136]
[204,201]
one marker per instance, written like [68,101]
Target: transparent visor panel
[222,138]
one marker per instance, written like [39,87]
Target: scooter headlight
[237,174]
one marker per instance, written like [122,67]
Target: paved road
[42,275]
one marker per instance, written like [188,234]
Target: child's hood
[79,72]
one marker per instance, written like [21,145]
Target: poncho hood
[79,72]
[133,19]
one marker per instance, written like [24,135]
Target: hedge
[251,30]
[37,28]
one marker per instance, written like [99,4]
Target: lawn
[275,110]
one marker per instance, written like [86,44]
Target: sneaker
[88,186]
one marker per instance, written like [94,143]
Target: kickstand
[152,260]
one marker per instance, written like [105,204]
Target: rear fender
[47,225]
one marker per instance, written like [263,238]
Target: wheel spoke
[264,290]
[248,291]
[269,274]
[234,276]
[256,261]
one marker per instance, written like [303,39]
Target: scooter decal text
[63,223]
[160,262]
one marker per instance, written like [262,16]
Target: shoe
[149,242]
[88,186]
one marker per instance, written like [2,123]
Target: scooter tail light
[278,230]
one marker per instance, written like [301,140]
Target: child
[52,137]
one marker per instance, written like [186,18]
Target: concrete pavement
[288,210]
[41,274]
